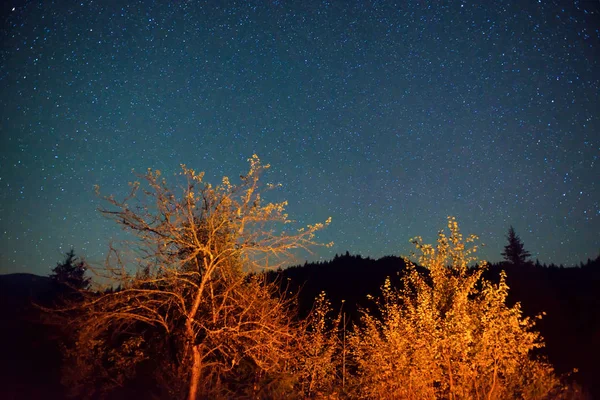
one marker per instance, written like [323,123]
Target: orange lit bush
[448,334]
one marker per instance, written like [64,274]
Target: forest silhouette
[199,316]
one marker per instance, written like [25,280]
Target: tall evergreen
[71,272]
[514,252]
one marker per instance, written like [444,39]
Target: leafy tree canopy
[449,334]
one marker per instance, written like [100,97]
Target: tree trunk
[451,378]
[196,359]
[195,375]
[491,392]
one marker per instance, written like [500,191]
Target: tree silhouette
[71,273]
[514,252]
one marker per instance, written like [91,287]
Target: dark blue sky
[387,117]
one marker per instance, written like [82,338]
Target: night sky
[386,117]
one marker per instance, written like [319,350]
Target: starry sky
[386,116]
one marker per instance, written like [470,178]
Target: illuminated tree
[448,334]
[514,252]
[320,352]
[188,297]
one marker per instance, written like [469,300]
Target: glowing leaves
[448,333]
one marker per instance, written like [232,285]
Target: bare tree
[192,278]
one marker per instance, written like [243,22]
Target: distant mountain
[22,288]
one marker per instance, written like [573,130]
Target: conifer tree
[71,273]
[514,252]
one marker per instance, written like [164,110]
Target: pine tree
[70,274]
[514,252]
